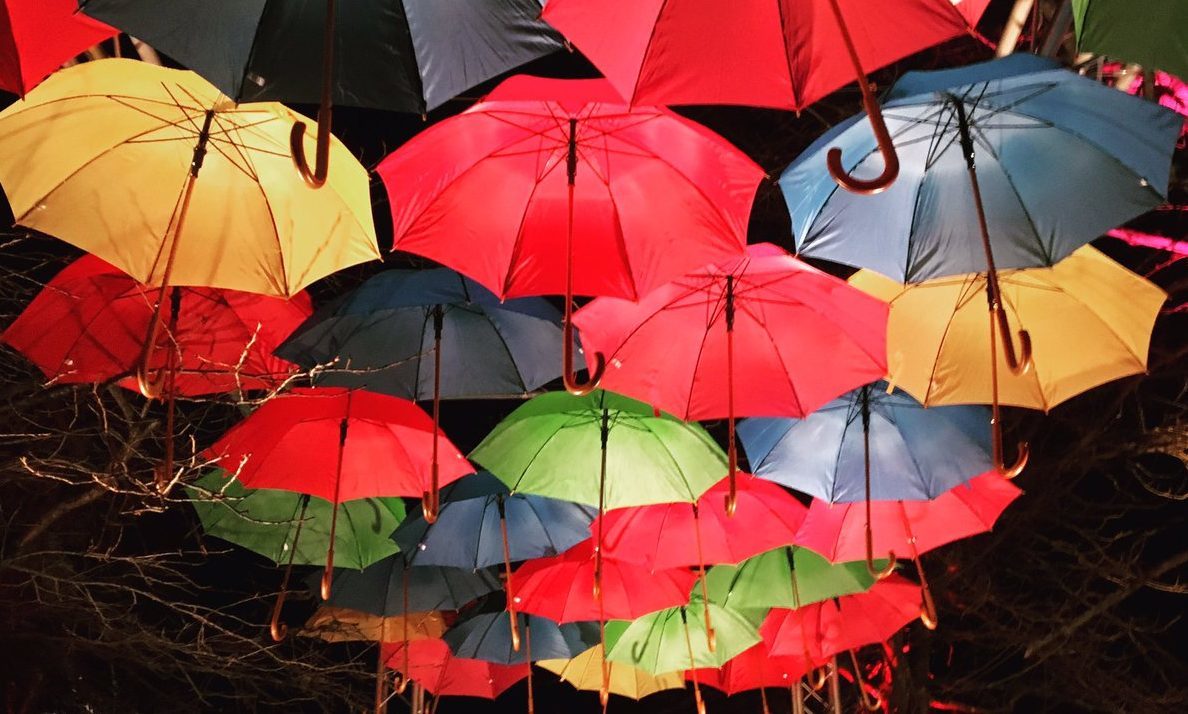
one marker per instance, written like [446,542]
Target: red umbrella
[338,445]
[784,54]
[828,628]
[838,531]
[39,36]
[756,668]
[433,666]
[674,535]
[218,341]
[561,588]
[641,195]
[763,335]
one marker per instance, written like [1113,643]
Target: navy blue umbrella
[487,635]
[390,588]
[430,334]
[1033,158]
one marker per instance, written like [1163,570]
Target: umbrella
[1146,32]
[336,624]
[789,576]
[560,588]
[1062,160]
[392,587]
[219,340]
[482,524]
[270,522]
[672,535]
[644,195]
[402,56]
[1089,320]
[763,335]
[433,666]
[337,445]
[585,672]
[377,336]
[675,639]
[784,54]
[550,445]
[113,155]
[486,635]
[39,36]
[756,668]
[905,452]
[838,531]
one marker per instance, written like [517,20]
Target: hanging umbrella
[1146,32]
[1062,160]
[640,194]
[839,531]
[764,335]
[271,523]
[401,56]
[378,337]
[784,54]
[560,588]
[585,672]
[336,624]
[218,341]
[39,36]
[154,171]
[486,635]
[380,588]
[433,666]
[337,445]
[757,668]
[676,639]
[789,576]
[904,452]
[482,523]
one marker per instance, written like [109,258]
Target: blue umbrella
[1061,158]
[391,587]
[871,444]
[487,635]
[379,336]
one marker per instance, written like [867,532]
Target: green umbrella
[786,577]
[1151,33]
[292,528]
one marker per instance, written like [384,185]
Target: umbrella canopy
[485,192]
[431,664]
[788,577]
[755,668]
[39,36]
[337,444]
[585,672]
[265,521]
[763,335]
[1089,318]
[468,530]
[672,535]
[402,56]
[487,635]
[380,589]
[784,54]
[675,639]
[1146,32]
[381,337]
[104,154]
[220,340]
[552,446]
[336,624]
[834,626]
[915,453]
[837,531]
[561,588]
[1060,159]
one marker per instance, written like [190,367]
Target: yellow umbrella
[158,173]
[1089,318]
[585,672]
[337,624]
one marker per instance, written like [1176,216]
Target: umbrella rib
[511,357]
[517,244]
[969,283]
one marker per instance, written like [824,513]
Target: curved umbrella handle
[400,682]
[874,113]
[1010,472]
[317,177]
[817,678]
[150,387]
[928,614]
[572,385]
[277,629]
[870,566]
[870,703]
[1019,363]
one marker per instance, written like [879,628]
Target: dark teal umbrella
[487,635]
[390,587]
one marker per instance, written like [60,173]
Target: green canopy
[552,446]
[766,580]
[656,643]
[1152,33]
[265,521]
